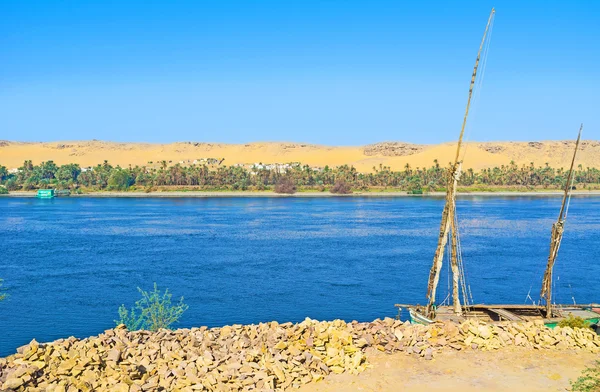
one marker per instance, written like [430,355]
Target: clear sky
[339,72]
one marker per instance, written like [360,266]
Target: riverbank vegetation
[574,322]
[589,381]
[297,177]
[152,312]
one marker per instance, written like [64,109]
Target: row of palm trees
[106,176]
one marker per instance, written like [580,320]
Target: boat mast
[450,206]
[557,234]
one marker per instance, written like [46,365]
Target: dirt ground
[504,370]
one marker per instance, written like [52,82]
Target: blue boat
[45,194]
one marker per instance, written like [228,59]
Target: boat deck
[497,313]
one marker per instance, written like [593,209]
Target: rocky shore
[267,356]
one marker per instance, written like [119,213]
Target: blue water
[69,263]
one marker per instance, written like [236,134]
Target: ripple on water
[69,264]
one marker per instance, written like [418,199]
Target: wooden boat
[458,310]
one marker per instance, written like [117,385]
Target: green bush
[589,381]
[573,322]
[3,190]
[153,312]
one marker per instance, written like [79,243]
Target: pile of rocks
[268,356]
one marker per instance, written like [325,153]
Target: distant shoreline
[225,194]
[370,158]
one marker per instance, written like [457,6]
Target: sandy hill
[364,158]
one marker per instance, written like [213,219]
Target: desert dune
[477,155]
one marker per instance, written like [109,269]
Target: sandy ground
[395,155]
[504,370]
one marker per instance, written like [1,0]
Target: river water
[69,263]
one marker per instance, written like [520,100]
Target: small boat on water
[453,308]
[52,193]
[45,194]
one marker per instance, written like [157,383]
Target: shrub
[3,190]
[573,322]
[341,187]
[589,381]
[153,312]
[285,185]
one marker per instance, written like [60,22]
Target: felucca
[459,310]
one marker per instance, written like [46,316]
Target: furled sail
[557,233]
[448,224]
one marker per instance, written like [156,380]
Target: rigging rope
[478,87]
[569,198]
[447,257]
[529,296]
[465,287]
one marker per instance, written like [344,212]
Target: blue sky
[338,72]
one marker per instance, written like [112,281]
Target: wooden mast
[557,234]
[450,206]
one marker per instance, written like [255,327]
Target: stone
[484,331]
[113,355]
[398,334]
[267,356]
[13,383]
[428,355]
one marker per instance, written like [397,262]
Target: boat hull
[418,318]
[502,313]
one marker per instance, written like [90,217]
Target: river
[69,263]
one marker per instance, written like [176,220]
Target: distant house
[13,171]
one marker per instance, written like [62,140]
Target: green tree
[12,184]
[153,312]
[415,185]
[119,179]
[68,172]
[48,169]
[3,173]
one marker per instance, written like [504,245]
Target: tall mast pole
[557,234]
[449,208]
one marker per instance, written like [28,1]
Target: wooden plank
[509,306]
[506,314]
